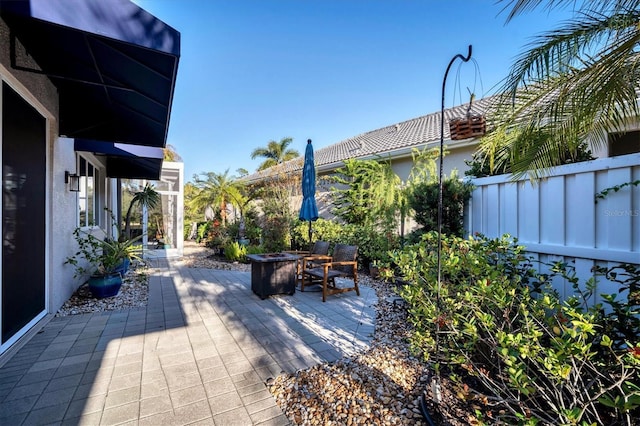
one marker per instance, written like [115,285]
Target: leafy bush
[235,252]
[252,249]
[424,198]
[203,231]
[322,230]
[277,215]
[373,245]
[622,321]
[252,229]
[539,358]
[368,193]
[275,233]
[217,237]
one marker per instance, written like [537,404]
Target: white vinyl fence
[557,218]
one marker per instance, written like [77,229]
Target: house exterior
[394,143]
[85,99]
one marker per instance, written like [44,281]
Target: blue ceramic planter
[123,267]
[105,286]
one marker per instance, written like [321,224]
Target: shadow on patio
[200,351]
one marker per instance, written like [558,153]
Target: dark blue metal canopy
[124,160]
[114,65]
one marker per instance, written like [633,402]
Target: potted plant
[104,260]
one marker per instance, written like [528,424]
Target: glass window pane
[82,195]
[90,196]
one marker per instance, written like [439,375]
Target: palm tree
[275,153]
[148,197]
[218,190]
[576,81]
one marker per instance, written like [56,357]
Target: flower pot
[102,286]
[468,127]
[123,268]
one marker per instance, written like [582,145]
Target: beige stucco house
[395,143]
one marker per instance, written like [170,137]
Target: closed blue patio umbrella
[309,209]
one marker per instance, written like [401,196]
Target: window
[624,143]
[90,203]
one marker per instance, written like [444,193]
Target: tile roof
[400,136]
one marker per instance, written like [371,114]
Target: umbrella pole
[310,232]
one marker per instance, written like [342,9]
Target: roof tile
[404,135]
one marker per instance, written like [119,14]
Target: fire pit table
[273,273]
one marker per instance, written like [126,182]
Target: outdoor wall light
[73,181]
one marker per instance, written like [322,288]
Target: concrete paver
[199,353]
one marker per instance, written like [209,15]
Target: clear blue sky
[252,71]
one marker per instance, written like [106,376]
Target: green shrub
[322,230]
[217,236]
[203,230]
[373,245]
[252,230]
[424,197]
[621,321]
[235,252]
[275,234]
[540,359]
[255,249]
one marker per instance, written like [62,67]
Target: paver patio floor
[199,353]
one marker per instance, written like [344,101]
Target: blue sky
[252,71]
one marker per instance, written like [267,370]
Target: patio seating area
[201,351]
[342,263]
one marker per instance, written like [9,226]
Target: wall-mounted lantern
[73,180]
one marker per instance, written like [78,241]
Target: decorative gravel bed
[381,386]
[134,293]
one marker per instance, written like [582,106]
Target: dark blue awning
[124,160]
[114,65]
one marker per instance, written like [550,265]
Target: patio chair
[343,264]
[318,253]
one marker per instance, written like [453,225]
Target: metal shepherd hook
[435,384]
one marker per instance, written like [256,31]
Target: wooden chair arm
[328,265]
[298,252]
[345,263]
[317,257]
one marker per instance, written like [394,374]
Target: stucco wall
[454,160]
[38,85]
[62,222]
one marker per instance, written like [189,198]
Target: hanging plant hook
[435,384]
